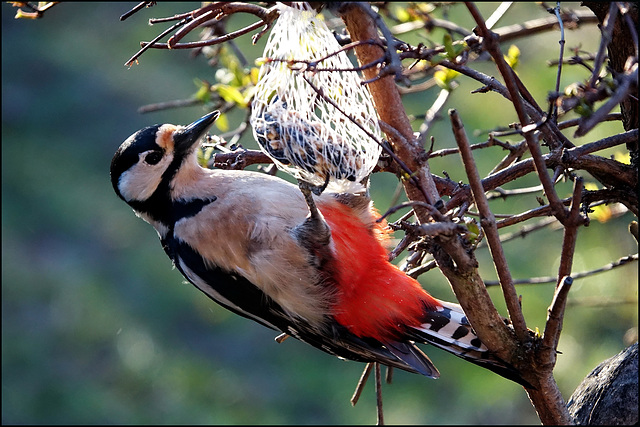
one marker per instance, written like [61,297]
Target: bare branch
[535,26]
[560,60]
[210,42]
[192,20]
[554,279]
[624,174]
[526,215]
[380,416]
[555,318]
[571,230]
[488,223]
[498,14]
[239,159]
[136,8]
[626,82]
[438,104]
[609,21]
[145,47]
[491,43]
[360,386]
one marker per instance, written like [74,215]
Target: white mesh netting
[298,128]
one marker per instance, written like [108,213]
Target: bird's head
[147,161]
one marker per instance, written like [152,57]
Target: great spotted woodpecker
[249,242]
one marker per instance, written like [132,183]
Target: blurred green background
[98,329]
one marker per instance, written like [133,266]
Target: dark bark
[621,48]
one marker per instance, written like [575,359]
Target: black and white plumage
[249,242]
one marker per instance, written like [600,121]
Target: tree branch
[488,223]
[458,265]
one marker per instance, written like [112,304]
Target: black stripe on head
[128,153]
[159,205]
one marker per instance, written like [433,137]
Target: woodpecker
[251,243]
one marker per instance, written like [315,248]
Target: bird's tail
[447,327]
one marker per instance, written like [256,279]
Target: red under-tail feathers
[377,300]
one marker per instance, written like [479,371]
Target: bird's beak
[187,137]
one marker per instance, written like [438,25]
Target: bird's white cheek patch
[135,185]
[141,180]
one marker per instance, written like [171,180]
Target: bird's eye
[153,158]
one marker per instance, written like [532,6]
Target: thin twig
[625,82]
[492,142]
[575,122]
[176,17]
[210,42]
[411,203]
[194,23]
[531,213]
[380,417]
[400,247]
[556,10]
[166,105]
[422,268]
[554,279]
[535,26]
[239,159]
[498,14]
[428,24]
[547,127]
[573,60]
[361,383]
[526,230]
[388,378]
[571,229]
[526,166]
[203,15]
[555,317]
[488,223]
[136,8]
[312,66]
[135,57]
[431,114]
[607,30]
[500,193]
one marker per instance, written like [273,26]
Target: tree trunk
[621,48]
